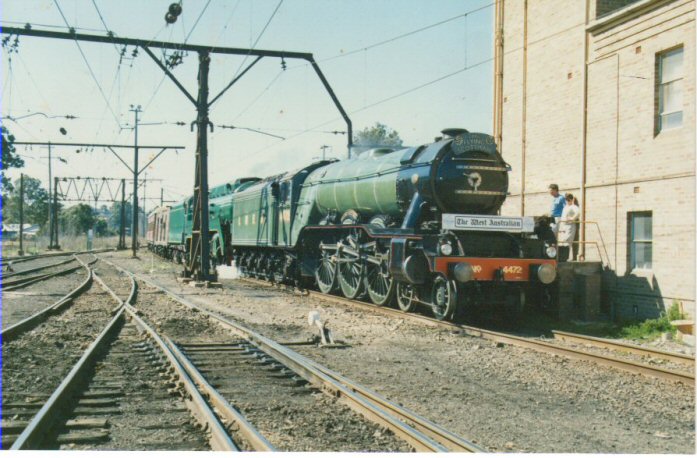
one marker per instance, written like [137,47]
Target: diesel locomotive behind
[418,224]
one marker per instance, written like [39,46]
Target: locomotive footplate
[466,269]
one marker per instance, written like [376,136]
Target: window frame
[660,84]
[632,242]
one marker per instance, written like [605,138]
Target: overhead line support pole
[122,225]
[199,266]
[349,124]
[21,214]
[200,229]
[134,216]
[54,238]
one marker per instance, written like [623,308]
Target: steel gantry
[53,212]
[199,262]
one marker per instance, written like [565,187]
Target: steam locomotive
[417,226]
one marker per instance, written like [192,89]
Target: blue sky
[417,84]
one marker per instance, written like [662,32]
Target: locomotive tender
[420,224]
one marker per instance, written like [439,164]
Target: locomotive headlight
[546,273]
[551,251]
[446,248]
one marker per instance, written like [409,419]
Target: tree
[377,136]
[77,220]
[101,228]
[35,203]
[10,159]
[115,216]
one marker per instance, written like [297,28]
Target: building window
[669,89]
[640,240]
[604,7]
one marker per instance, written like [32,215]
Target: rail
[423,435]
[30,322]
[510,339]
[624,347]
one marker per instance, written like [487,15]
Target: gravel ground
[649,360]
[20,304]
[145,416]
[115,279]
[292,418]
[502,397]
[35,363]
[39,262]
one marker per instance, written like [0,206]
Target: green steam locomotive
[417,226]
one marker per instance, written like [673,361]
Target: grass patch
[648,329]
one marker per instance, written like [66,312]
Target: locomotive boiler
[417,225]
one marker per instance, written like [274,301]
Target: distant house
[11,231]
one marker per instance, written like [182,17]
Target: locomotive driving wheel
[406,296]
[351,269]
[379,283]
[443,298]
[326,273]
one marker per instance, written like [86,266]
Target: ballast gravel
[502,397]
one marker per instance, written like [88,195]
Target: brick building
[599,97]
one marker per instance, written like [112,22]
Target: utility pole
[200,233]
[145,215]
[122,226]
[51,222]
[134,222]
[21,214]
[162,197]
[53,245]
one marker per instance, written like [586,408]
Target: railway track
[610,360]
[38,317]
[283,393]
[24,281]
[39,352]
[112,394]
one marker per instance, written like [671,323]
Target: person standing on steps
[567,227]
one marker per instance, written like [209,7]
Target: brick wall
[628,166]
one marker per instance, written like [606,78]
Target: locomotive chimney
[453,132]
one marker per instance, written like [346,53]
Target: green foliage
[648,329]
[375,137]
[115,216]
[77,220]
[674,312]
[101,228]
[10,159]
[35,203]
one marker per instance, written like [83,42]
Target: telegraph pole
[134,217]
[145,215]
[122,226]
[51,222]
[21,214]
[54,233]
[162,197]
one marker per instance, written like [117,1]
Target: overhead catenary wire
[101,18]
[371,46]
[84,58]
[421,86]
